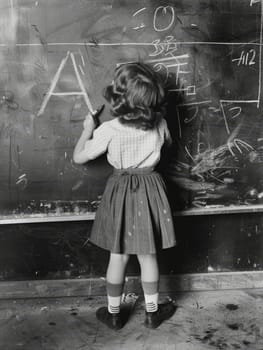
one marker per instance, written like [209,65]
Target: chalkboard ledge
[221,209]
[207,210]
[38,218]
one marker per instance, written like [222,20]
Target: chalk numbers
[163,18]
[246,58]
[163,14]
[168,46]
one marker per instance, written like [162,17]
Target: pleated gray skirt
[134,216]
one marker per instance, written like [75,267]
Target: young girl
[134,216]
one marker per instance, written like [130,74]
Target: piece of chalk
[98,110]
[95,115]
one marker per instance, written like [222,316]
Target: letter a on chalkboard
[53,84]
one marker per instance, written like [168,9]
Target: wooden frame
[96,286]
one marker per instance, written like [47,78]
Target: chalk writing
[22,181]
[167,47]
[191,106]
[55,80]
[142,24]
[163,11]
[246,58]
[166,66]
[238,109]
[238,144]
[212,159]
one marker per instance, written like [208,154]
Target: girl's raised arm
[80,156]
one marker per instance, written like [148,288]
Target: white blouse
[126,146]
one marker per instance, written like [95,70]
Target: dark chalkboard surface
[57,55]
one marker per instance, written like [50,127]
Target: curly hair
[136,96]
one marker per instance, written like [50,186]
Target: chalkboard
[56,57]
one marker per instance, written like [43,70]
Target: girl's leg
[115,280]
[155,314]
[150,280]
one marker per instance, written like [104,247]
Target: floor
[231,319]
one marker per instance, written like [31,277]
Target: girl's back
[127,146]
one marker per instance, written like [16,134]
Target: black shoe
[113,321]
[154,319]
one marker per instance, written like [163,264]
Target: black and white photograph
[131,174]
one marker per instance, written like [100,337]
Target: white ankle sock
[151,302]
[114,304]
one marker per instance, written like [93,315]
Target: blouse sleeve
[99,142]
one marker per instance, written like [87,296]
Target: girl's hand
[89,124]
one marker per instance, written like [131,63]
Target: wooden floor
[230,319]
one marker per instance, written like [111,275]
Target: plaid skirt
[134,216]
